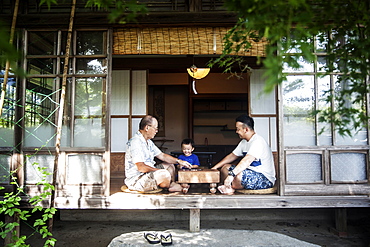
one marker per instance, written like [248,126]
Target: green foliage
[7,51]
[291,25]
[10,205]
[48,2]
[119,11]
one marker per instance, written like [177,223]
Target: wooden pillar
[194,223]
[340,222]
[195,5]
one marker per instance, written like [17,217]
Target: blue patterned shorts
[252,180]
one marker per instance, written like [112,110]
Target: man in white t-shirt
[256,169]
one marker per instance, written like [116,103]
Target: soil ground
[100,234]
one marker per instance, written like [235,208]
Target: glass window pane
[298,102]
[84,169]
[40,135]
[359,138]
[89,132]
[6,134]
[295,43]
[32,173]
[262,127]
[274,135]
[66,136]
[63,44]
[139,92]
[120,93]
[135,125]
[348,167]
[323,85]
[7,117]
[322,63]
[261,102]
[41,66]
[89,128]
[339,39]
[62,62]
[4,168]
[325,137]
[39,115]
[91,66]
[89,96]
[321,42]
[304,65]
[91,43]
[41,86]
[304,168]
[119,134]
[42,43]
[266,127]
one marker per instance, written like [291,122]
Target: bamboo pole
[61,111]
[14,218]
[7,64]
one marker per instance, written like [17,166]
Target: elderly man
[141,172]
[256,169]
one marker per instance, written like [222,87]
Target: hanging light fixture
[197,73]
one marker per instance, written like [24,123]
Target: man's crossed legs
[247,179]
[162,178]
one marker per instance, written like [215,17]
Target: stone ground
[100,234]
[214,238]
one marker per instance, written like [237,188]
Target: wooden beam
[195,5]
[326,190]
[123,200]
[40,20]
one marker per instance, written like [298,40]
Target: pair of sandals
[155,238]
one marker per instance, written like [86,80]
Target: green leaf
[50,242]
[48,2]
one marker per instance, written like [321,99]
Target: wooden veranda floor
[199,197]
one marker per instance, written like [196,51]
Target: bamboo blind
[175,41]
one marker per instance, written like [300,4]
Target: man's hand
[184,164]
[142,167]
[227,160]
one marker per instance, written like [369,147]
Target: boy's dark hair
[188,141]
[246,120]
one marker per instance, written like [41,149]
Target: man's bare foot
[226,190]
[185,188]
[175,187]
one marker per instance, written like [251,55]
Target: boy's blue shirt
[192,159]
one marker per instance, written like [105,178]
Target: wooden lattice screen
[175,41]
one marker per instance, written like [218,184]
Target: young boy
[187,147]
